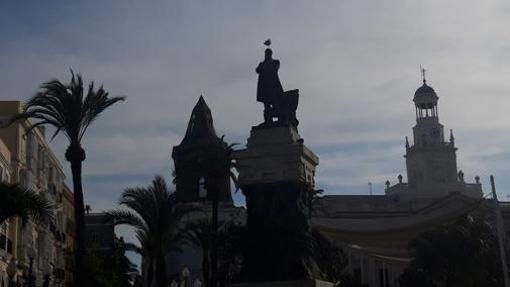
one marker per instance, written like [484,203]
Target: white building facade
[35,166]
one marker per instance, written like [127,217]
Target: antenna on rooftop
[370,188]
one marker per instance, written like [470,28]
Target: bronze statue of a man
[269,87]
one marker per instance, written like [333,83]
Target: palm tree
[156,216]
[70,110]
[198,233]
[24,203]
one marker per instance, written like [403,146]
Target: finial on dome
[422,70]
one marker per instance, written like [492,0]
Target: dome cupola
[425,97]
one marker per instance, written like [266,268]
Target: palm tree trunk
[79,215]
[160,270]
[75,155]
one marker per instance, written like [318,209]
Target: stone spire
[200,126]
[201,159]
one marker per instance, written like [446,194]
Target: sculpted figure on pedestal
[277,103]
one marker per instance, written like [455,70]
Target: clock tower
[430,160]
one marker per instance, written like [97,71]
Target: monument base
[297,283]
[276,175]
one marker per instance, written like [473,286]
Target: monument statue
[276,175]
[277,103]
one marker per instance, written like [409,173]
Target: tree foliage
[330,258]
[24,203]
[155,214]
[198,233]
[464,253]
[111,270]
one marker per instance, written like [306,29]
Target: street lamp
[185,275]
[31,253]
[11,272]
[213,252]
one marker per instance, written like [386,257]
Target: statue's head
[268,53]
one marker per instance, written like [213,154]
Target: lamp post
[11,272]
[212,190]
[31,255]
[185,275]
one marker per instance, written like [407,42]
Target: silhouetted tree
[463,253]
[112,270]
[198,233]
[155,215]
[70,110]
[24,203]
[330,257]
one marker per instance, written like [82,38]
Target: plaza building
[376,229]
[34,165]
[8,228]
[99,234]
[70,241]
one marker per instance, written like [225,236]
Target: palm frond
[156,216]
[24,203]
[121,217]
[65,107]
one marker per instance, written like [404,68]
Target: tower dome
[425,97]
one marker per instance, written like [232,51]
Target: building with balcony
[35,166]
[69,244]
[8,228]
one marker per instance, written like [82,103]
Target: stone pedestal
[299,283]
[276,174]
[276,154]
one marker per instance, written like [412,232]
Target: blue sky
[356,64]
